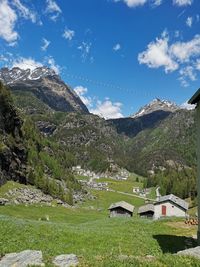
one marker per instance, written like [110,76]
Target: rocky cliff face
[12,150]
[46,86]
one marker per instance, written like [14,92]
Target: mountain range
[160,135]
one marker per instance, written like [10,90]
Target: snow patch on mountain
[16,74]
[156,105]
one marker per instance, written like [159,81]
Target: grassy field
[96,239]
[105,198]
[118,185]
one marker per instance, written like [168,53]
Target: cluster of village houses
[94,185]
[116,173]
[141,192]
[164,206]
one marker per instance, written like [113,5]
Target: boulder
[22,259]
[66,260]
[3,201]
[193,252]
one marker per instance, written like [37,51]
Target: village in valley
[159,207]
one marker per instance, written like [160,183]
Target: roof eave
[160,202]
[195,98]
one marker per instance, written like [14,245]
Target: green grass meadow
[96,239]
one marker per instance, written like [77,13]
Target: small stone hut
[165,206]
[146,211]
[121,209]
[169,206]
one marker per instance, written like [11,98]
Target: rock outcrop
[23,259]
[192,252]
[46,85]
[28,258]
[12,150]
[66,260]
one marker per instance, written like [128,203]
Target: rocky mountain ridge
[46,85]
[16,74]
[156,105]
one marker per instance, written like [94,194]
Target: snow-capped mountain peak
[16,74]
[156,105]
[46,85]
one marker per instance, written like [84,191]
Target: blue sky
[117,54]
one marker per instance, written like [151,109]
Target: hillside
[159,136]
[26,156]
[45,85]
[90,140]
[13,153]
[172,140]
[147,117]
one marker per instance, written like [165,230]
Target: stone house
[136,190]
[169,206]
[165,206]
[146,211]
[121,209]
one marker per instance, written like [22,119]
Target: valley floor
[96,239]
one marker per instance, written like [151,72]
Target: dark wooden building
[121,209]
[146,211]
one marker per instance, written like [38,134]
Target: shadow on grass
[173,243]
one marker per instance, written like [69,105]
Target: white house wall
[171,210]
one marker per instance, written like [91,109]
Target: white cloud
[52,64]
[179,55]
[81,91]
[117,47]
[197,64]
[68,34]
[26,63]
[189,21]
[45,44]
[184,51]
[133,3]
[187,74]
[30,63]
[53,9]
[24,11]
[182,2]
[108,109]
[176,34]
[157,2]
[157,55]
[6,59]
[12,44]
[136,3]
[3,58]
[85,50]
[187,106]
[8,19]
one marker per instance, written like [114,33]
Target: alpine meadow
[99,133]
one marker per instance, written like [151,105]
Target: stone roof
[123,205]
[176,200]
[145,208]
[195,99]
